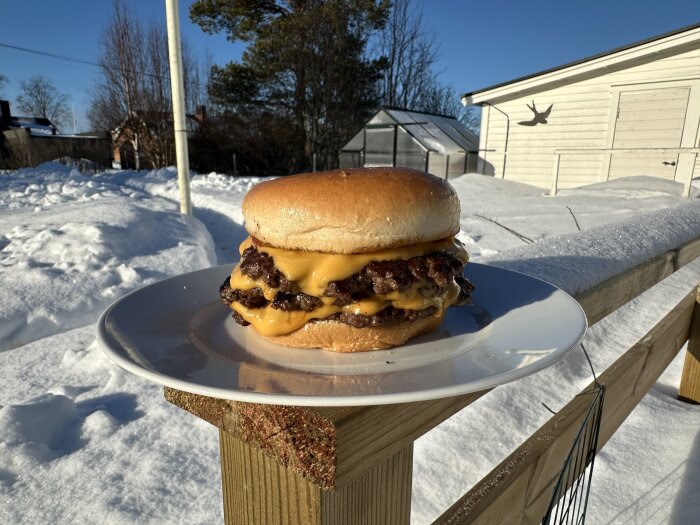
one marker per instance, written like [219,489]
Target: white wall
[581,117]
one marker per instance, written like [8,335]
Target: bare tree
[132,97]
[117,98]
[443,100]
[39,98]
[3,81]
[439,99]
[410,53]
[470,116]
[410,80]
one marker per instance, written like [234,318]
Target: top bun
[352,210]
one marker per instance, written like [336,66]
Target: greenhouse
[437,144]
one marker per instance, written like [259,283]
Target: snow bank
[71,244]
[216,201]
[579,261]
[527,210]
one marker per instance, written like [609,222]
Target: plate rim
[104,340]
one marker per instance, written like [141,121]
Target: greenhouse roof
[437,133]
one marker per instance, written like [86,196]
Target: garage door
[648,119]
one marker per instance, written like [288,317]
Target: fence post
[555,174]
[290,465]
[690,380]
[258,490]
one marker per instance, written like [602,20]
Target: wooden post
[690,380]
[258,490]
[325,466]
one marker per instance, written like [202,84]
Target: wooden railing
[296,465]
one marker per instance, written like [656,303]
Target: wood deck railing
[296,465]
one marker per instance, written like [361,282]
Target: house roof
[666,44]
[39,126]
[433,132]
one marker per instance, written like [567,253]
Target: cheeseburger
[348,260]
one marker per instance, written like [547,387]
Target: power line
[46,54]
[70,59]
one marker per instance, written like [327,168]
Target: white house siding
[580,118]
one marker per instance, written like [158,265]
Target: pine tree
[306,60]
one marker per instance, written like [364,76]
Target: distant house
[29,141]
[128,153]
[630,111]
[394,137]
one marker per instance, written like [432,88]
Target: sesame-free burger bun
[352,210]
[340,337]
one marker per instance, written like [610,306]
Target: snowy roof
[438,133]
[37,126]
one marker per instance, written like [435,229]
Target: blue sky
[481,42]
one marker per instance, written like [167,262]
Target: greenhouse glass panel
[464,138]
[438,133]
[379,146]
[457,164]
[409,153]
[350,159]
[381,118]
[357,142]
[437,164]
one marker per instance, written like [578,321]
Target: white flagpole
[178,91]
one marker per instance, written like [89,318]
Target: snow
[83,441]
[602,252]
[72,244]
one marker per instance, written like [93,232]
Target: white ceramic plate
[177,333]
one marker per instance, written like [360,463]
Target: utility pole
[178,91]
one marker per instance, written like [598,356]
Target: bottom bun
[341,337]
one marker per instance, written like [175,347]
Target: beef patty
[435,271]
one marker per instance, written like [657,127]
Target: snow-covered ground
[82,441]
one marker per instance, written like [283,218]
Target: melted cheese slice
[313,271]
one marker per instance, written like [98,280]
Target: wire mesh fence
[570,497]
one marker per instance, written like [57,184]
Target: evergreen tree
[306,61]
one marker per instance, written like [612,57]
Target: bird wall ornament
[539,118]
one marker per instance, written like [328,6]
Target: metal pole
[178,91]
[505,147]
